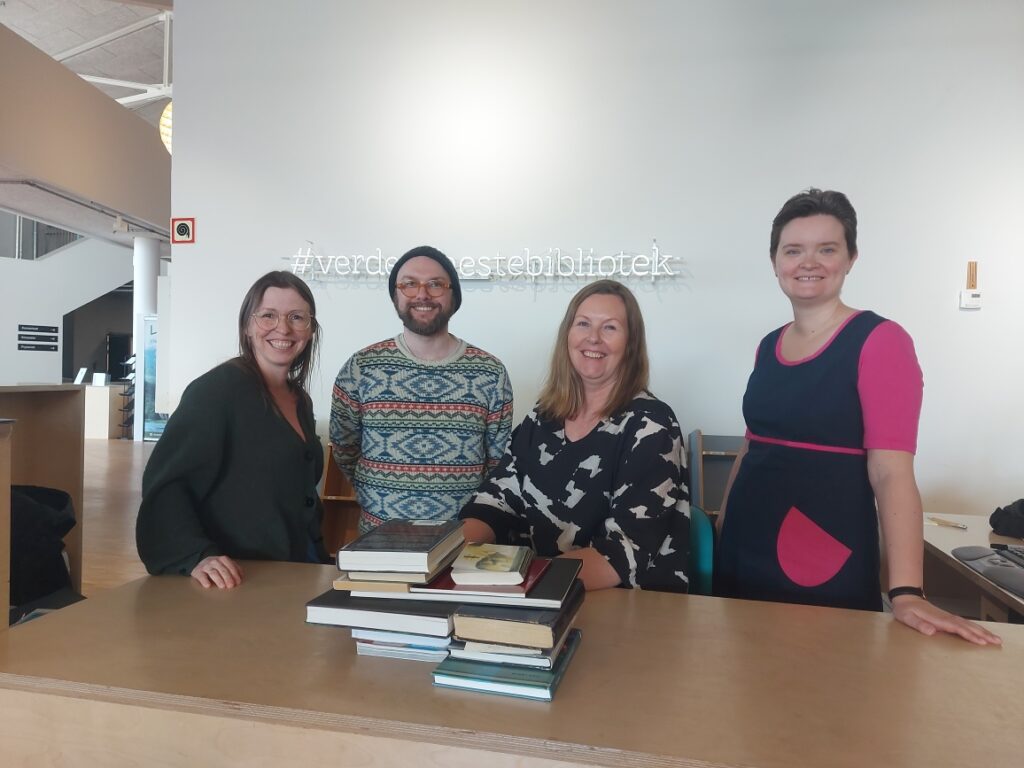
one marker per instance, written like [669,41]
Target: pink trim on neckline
[806,446]
[826,345]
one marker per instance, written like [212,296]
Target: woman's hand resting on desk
[218,571]
[919,614]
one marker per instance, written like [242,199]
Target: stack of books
[410,590]
[386,562]
[513,651]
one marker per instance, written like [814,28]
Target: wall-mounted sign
[44,338]
[22,327]
[35,337]
[37,347]
[183,231]
[546,264]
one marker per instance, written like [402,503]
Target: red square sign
[183,231]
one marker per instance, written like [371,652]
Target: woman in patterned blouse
[595,471]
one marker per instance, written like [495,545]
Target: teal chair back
[702,552]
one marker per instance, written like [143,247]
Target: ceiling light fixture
[165,126]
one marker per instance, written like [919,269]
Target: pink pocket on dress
[807,553]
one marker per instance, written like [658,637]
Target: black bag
[1009,520]
[40,518]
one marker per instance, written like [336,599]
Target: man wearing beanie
[418,420]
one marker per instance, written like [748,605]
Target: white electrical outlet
[970,299]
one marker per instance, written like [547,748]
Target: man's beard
[430,327]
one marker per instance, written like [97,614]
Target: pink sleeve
[890,386]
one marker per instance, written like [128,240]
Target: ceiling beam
[117,34]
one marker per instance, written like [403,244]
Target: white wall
[491,126]
[41,292]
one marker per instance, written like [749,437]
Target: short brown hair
[815,202]
[562,396]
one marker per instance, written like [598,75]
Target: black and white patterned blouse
[621,489]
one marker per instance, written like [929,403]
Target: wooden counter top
[659,679]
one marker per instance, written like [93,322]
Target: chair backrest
[702,551]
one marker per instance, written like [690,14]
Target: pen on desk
[947,523]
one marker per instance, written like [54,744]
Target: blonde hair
[562,396]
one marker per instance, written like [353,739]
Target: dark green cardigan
[230,477]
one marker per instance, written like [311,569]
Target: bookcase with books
[399,592]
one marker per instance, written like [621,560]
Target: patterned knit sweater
[417,437]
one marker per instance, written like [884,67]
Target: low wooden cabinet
[341,510]
[48,449]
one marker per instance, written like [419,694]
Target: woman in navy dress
[831,409]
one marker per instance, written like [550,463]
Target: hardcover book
[509,654]
[401,638]
[340,608]
[491,564]
[550,589]
[408,652]
[402,545]
[518,626]
[409,577]
[507,680]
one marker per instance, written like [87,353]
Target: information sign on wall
[37,338]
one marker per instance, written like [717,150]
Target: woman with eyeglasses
[235,474]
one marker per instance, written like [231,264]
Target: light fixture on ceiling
[165,126]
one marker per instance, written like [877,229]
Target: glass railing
[24,238]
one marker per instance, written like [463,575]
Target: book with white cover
[491,564]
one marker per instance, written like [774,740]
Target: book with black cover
[549,592]
[340,608]
[518,626]
[504,679]
[402,545]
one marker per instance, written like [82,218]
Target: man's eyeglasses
[269,319]
[411,288]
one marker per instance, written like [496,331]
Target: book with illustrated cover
[506,679]
[491,564]
[550,589]
[535,628]
[340,608]
[402,546]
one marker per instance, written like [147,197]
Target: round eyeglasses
[269,319]
[411,288]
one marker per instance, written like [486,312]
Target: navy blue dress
[801,523]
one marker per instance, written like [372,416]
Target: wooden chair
[710,459]
[341,510]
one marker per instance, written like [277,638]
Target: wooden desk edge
[516,746]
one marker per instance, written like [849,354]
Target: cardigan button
[310,501]
[309,456]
